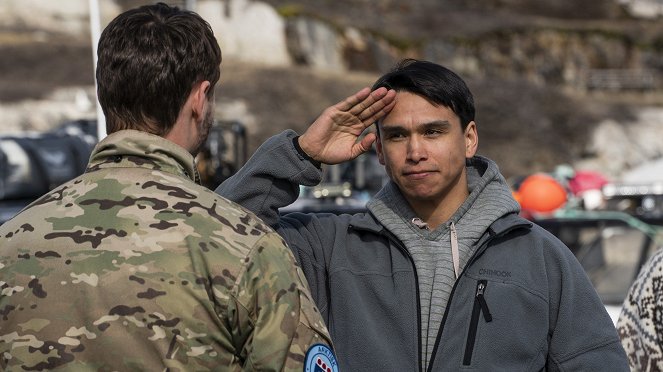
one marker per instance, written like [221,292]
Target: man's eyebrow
[437,124]
[393,129]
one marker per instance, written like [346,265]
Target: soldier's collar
[140,149]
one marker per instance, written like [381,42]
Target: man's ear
[199,98]
[471,140]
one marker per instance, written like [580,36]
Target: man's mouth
[417,173]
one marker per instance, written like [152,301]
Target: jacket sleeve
[582,335]
[271,178]
[273,320]
[639,325]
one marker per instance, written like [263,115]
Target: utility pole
[190,5]
[95,32]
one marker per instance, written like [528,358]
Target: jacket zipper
[480,306]
[451,295]
[402,248]
[476,255]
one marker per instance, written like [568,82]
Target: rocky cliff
[549,76]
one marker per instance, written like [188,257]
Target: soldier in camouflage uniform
[135,266]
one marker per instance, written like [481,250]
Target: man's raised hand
[332,138]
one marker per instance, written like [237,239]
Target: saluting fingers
[379,108]
[366,103]
[349,103]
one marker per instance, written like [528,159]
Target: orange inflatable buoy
[541,193]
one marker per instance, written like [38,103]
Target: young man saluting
[441,273]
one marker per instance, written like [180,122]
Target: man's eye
[395,136]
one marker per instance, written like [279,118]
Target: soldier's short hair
[149,59]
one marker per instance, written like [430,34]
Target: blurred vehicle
[224,152]
[32,164]
[345,188]
[611,246]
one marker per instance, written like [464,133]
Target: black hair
[435,83]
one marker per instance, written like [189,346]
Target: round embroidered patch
[320,358]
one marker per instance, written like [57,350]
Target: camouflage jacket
[134,266]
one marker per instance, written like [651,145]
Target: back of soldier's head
[435,83]
[149,59]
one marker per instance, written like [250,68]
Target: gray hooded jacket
[521,302]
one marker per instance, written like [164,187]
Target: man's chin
[415,190]
[419,196]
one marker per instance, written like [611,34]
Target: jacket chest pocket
[507,327]
[479,308]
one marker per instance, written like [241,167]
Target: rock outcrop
[551,86]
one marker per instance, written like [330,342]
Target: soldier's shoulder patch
[320,358]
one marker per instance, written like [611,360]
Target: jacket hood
[490,198]
[504,224]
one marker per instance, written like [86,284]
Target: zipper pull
[482,301]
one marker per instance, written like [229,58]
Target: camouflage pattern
[133,266]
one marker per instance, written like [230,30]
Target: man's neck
[436,212]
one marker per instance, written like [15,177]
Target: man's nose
[416,150]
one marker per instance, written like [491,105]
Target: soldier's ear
[199,99]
